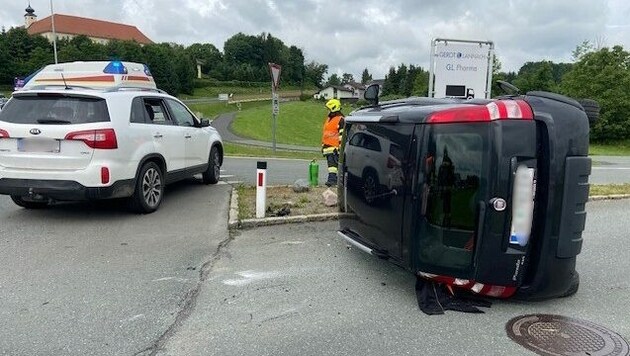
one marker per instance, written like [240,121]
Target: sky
[350,35]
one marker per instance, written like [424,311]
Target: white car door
[168,138]
[196,139]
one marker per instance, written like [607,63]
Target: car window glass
[371,143]
[138,112]
[156,112]
[54,109]
[181,114]
[356,139]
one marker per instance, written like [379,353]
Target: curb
[233,214]
[234,223]
[609,197]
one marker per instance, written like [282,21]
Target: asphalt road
[297,290]
[93,279]
[610,170]
[606,170]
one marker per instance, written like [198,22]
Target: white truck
[460,68]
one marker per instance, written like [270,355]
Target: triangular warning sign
[275,74]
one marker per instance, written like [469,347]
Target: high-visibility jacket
[333,128]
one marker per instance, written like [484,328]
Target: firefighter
[331,139]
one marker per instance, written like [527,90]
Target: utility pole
[52,19]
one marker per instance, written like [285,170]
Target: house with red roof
[67,26]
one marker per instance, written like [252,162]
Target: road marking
[251,276]
[233,181]
[227,175]
[171,278]
[613,168]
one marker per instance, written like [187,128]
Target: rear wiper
[53,121]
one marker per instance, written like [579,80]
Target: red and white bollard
[261,189]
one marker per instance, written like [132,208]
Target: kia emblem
[35,131]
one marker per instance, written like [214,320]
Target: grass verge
[298,123]
[307,203]
[609,189]
[232,149]
[620,148]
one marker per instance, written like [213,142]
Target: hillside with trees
[602,74]
[244,58]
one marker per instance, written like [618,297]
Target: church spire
[29,16]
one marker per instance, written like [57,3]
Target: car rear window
[54,109]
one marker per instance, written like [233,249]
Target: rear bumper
[64,189]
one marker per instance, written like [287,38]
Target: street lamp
[52,18]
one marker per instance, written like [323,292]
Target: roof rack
[63,86]
[121,87]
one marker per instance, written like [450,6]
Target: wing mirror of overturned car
[204,123]
[371,94]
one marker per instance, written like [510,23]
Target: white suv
[76,143]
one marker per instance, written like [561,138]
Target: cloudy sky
[350,35]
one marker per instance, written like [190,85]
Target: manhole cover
[559,335]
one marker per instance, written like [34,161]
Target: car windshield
[54,109]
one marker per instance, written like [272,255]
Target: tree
[536,76]
[390,86]
[604,76]
[314,73]
[402,75]
[365,76]
[160,60]
[581,50]
[421,82]
[293,71]
[207,54]
[333,80]
[347,78]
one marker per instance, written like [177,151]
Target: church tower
[29,16]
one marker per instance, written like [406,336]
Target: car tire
[591,108]
[26,204]
[213,173]
[149,191]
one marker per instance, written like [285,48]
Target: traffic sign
[275,75]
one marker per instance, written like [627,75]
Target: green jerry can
[313,173]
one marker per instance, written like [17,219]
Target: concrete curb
[609,197]
[233,214]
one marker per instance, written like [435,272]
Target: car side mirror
[204,123]
[371,94]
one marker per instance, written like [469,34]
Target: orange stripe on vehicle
[137,77]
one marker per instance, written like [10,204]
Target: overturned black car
[485,195]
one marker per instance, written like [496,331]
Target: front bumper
[64,189]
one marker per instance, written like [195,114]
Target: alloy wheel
[152,187]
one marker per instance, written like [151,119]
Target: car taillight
[103,138]
[496,110]
[4,134]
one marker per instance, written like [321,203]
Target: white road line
[227,175]
[234,182]
[612,168]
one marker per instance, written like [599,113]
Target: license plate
[38,145]
[522,206]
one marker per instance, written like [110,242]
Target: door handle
[157,135]
[187,136]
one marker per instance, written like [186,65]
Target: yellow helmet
[333,105]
